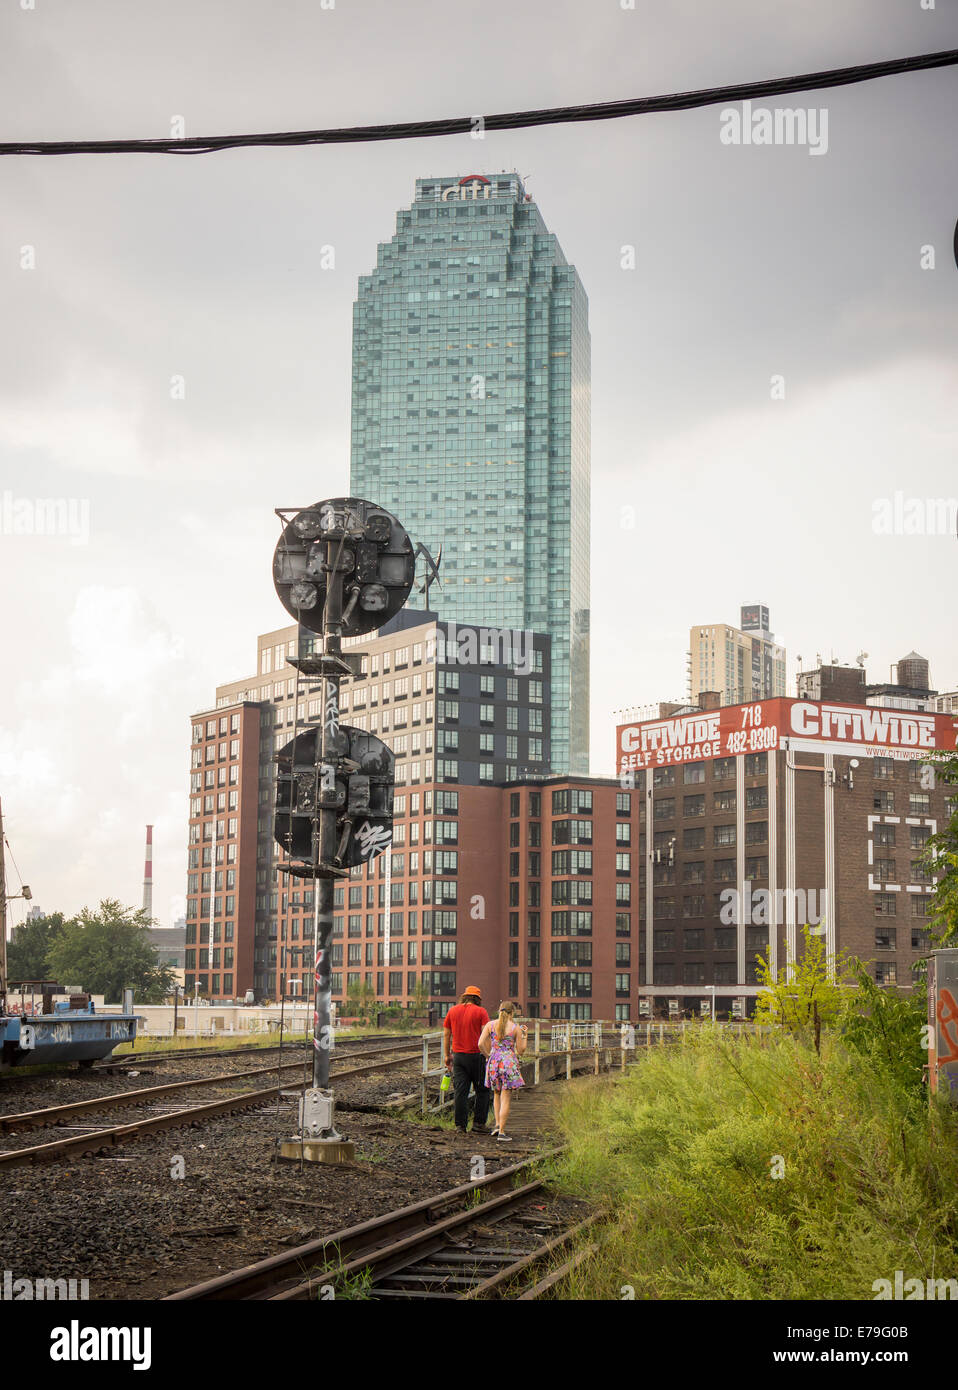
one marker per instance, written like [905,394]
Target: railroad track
[125,1060]
[112,1136]
[55,1114]
[452,1246]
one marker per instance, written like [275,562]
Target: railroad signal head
[360,790]
[358,540]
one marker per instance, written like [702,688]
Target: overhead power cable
[512,120]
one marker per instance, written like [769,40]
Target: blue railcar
[64,1035]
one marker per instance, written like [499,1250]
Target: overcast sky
[122,275]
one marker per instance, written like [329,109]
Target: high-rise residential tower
[471,419]
[741,664]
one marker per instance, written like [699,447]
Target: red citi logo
[473,186]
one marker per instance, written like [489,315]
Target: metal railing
[594,1042]
[594,1045]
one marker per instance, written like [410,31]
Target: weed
[745,1168]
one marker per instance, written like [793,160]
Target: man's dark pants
[469,1069]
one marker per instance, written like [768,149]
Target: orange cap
[473,989]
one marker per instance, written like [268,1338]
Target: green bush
[683,1148]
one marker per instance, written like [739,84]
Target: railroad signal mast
[342,568]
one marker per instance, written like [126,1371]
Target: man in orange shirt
[461,1028]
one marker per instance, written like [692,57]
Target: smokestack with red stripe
[148,874]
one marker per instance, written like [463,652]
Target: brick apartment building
[467,707]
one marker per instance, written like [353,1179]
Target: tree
[940,857]
[28,952]
[813,998]
[110,950]
[885,1028]
[420,997]
[361,997]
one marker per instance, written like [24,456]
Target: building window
[572,832]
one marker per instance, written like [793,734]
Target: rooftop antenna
[432,570]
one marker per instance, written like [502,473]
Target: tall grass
[683,1148]
[144,1042]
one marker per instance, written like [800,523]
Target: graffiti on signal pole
[373,839]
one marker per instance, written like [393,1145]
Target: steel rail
[53,1114]
[554,1276]
[120,1134]
[191,1054]
[259,1279]
[506,1276]
[426,1240]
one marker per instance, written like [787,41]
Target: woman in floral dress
[503,1042]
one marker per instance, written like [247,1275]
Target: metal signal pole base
[317,1141]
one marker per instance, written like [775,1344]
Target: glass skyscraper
[470,419]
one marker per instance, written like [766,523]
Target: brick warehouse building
[809,809]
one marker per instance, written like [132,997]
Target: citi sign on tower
[767,725]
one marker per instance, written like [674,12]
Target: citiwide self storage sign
[764,725]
